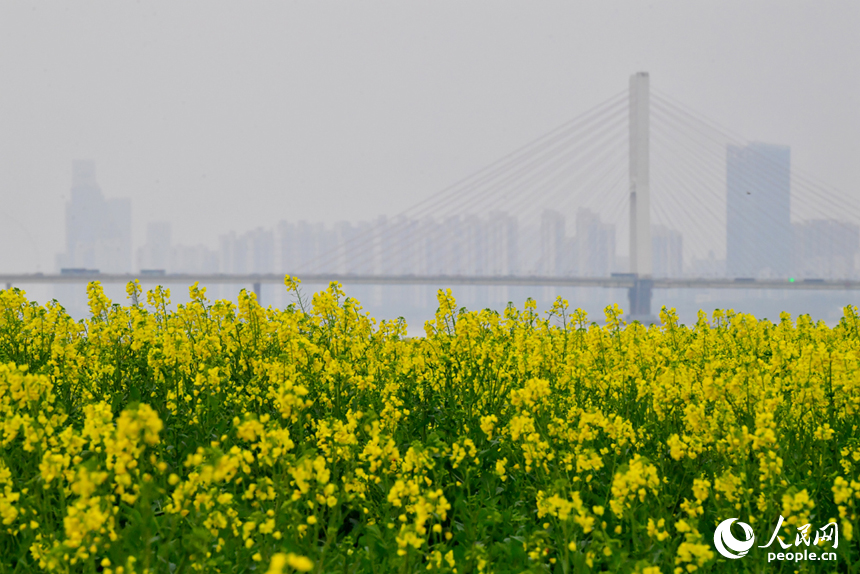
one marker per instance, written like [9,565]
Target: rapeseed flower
[314,437]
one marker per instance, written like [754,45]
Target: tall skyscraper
[758,210]
[98,230]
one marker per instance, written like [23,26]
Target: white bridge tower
[640,198]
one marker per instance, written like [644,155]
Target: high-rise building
[261,243]
[156,252]
[502,244]
[667,253]
[758,217]
[299,246]
[825,249]
[193,259]
[592,252]
[393,249]
[476,246]
[346,235]
[429,250]
[552,243]
[159,253]
[98,237]
[233,253]
[251,252]
[98,230]
[452,259]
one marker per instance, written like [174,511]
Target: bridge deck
[617,282]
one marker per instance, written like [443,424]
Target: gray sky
[219,116]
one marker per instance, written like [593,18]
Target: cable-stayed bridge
[715,195]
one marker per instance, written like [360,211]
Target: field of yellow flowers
[227,437]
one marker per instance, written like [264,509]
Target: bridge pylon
[640,199]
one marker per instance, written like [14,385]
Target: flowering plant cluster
[228,437]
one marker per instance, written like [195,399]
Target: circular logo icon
[728,545]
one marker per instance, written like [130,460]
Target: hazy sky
[219,116]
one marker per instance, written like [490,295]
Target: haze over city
[217,119]
[457,287]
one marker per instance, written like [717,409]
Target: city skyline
[99,237]
[493,245]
